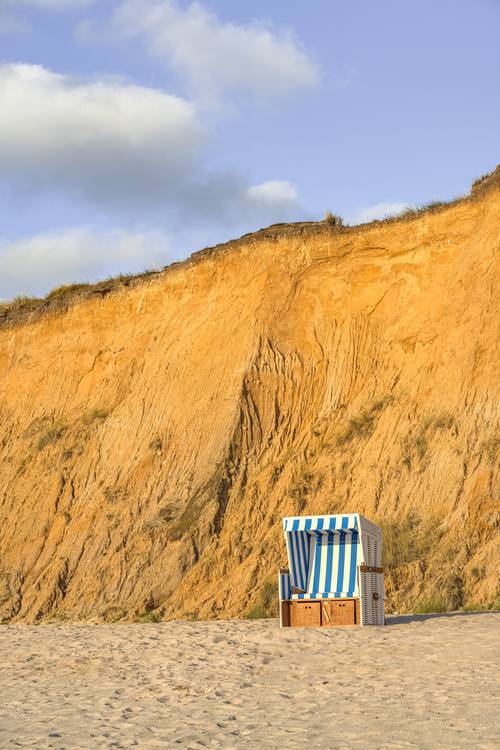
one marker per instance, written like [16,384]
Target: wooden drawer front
[305,614]
[338,613]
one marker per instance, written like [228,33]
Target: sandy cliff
[153,435]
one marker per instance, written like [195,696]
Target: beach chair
[335,575]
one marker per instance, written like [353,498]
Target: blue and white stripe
[284,585]
[334,562]
[322,524]
[298,545]
[323,552]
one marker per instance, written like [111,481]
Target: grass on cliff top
[64,289]
[18,303]
[68,291]
[421,208]
[334,219]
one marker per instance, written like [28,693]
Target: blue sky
[133,132]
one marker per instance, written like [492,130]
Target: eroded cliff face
[152,438]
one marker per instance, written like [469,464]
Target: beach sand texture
[421,682]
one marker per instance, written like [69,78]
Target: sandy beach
[422,682]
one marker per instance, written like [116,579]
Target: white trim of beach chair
[285,592]
[371,585]
[328,556]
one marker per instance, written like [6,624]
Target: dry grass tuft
[62,295]
[421,208]
[305,486]
[156,445]
[408,540]
[364,423]
[51,434]
[148,617]
[267,604]
[95,415]
[18,303]
[65,289]
[419,442]
[333,219]
[431,606]
[492,446]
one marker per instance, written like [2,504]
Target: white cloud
[34,265]
[121,148]
[274,192]
[380,211]
[217,58]
[138,152]
[111,142]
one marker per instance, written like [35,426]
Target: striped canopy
[323,553]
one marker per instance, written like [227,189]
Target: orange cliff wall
[152,439]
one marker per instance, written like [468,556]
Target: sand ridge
[422,682]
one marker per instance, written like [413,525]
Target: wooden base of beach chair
[340,612]
[316,613]
[305,614]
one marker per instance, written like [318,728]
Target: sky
[134,132]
